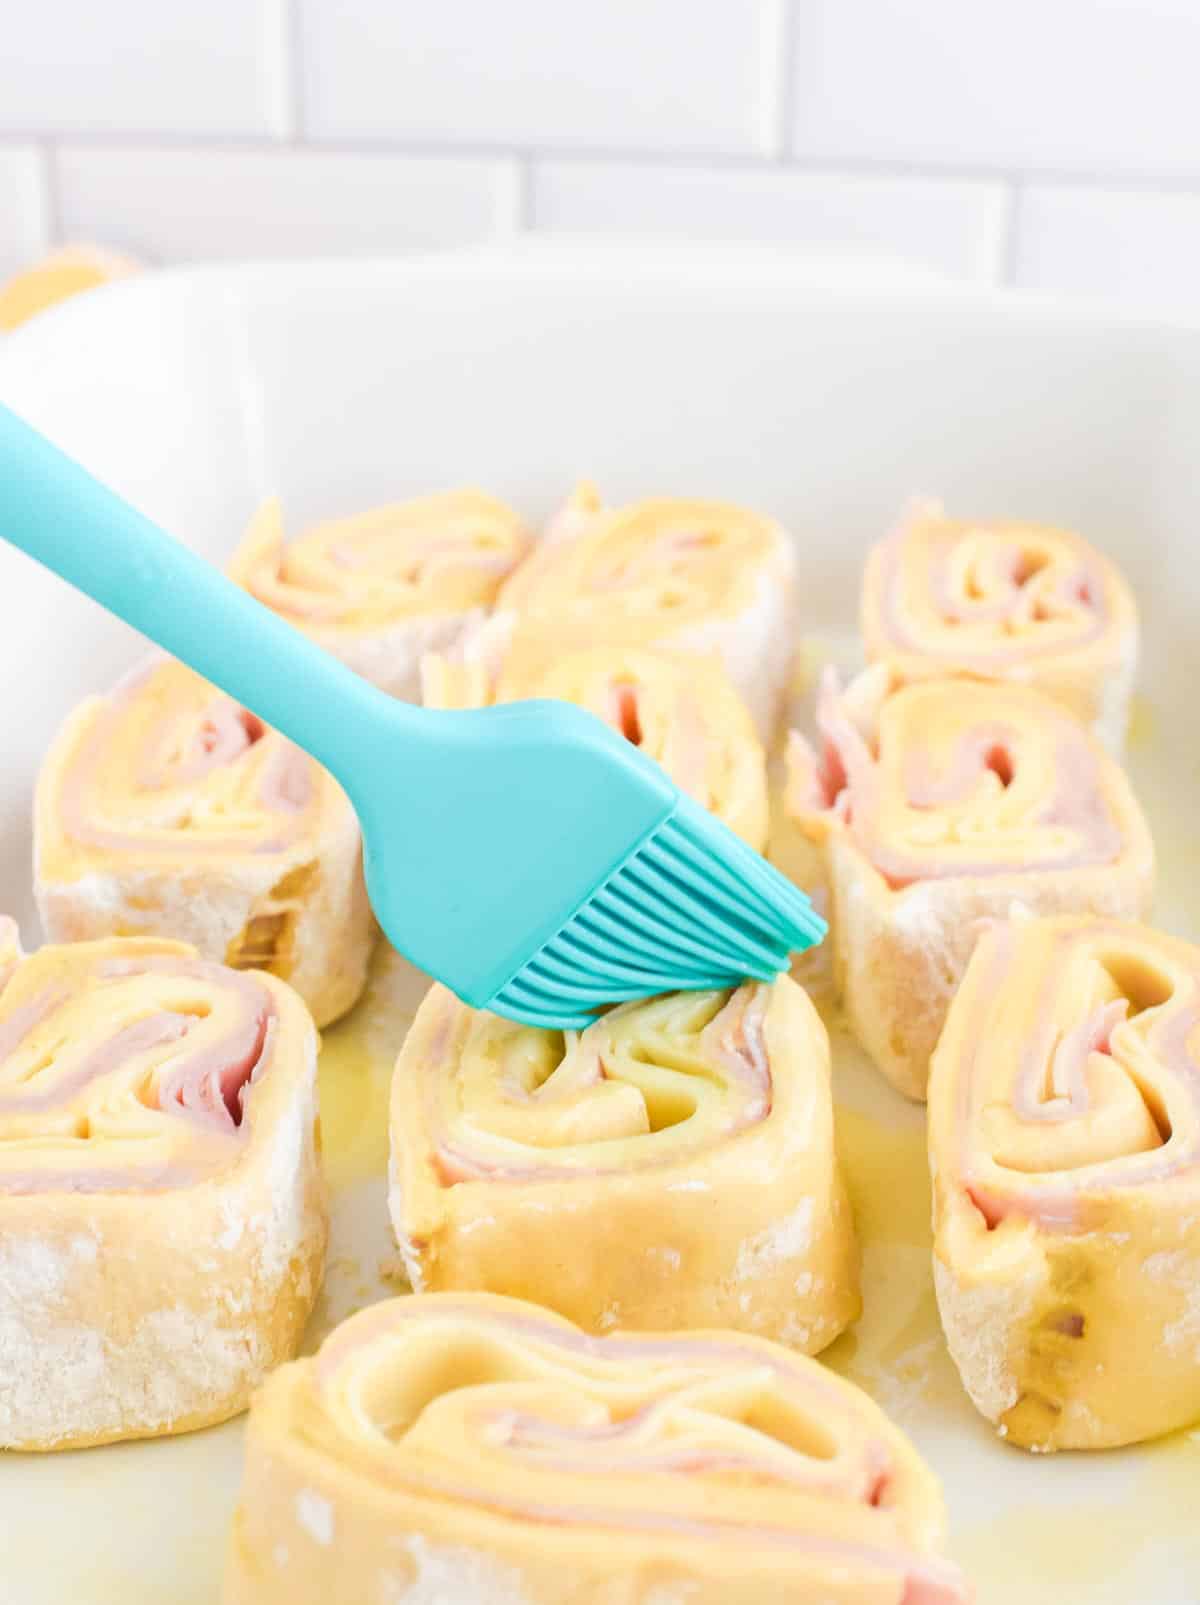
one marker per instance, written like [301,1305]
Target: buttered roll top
[443,555]
[1005,600]
[684,575]
[501,1445]
[127,1065]
[687,1139]
[960,777]
[1065,1139]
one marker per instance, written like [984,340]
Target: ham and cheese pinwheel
[165,809]
[671,1166]
[1008,601]
[941,803]
[1064,1136]
[467,1447]
[162,1210]
[686,576]
[682,712]
[380,589]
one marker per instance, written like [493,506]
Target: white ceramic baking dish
[823,397]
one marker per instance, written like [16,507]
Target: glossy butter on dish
[1005,600]
[166,809]
[671,1166]
[162,1210]
[681,711]
[381,588]
[940,803]
[1064,1138]
[469,1447]
[680,575]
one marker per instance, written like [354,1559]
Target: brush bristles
[694,908]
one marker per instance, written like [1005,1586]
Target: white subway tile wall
[169,67]
[194,205]
[942,223]
[642,75]
[1050,145]
[1073,86]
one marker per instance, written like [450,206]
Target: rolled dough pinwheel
[678,575]
[166,809]
[162,1210]
[474,1448]
[381,588]
[671,1166]
[942,803]
[1064,1135]
[1008,601]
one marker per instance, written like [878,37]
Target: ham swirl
[682,712]
[942,802]
[676,575]
[149,1099]
[381,588]
[1005,600]
[167,809]
[671,1165]
[1064,1135]
[474,1447]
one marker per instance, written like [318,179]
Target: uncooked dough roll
[474,1448]
[678,575]
[671,1166]
[162,1210]
[941,803]
[166,809]
[1005,600]
[380,589]
[680,711]
[1064,1136]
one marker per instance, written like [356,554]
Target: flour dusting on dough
[1177,1268]
[315,1515]
[786,1239]
[445,1576]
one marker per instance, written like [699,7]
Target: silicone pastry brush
[525,855]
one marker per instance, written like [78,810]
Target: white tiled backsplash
[1041,142]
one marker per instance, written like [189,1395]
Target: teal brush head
[557,868]
[526,855]
[692,907]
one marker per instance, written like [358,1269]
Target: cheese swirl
[493,1446]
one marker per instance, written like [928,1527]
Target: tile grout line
[51,198]
[776,49]
[1010,256]
[524,220]
[716,163]
[133,141]
[512,186]
[283,78]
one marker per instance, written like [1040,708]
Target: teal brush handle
[56,512]
[483,830]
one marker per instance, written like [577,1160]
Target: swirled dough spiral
[381,588]
[674,574]
[166,809]
[474,1448]
[671,1166]
[1064,1133]
[1005,600]
[937,804]
[162,1211]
